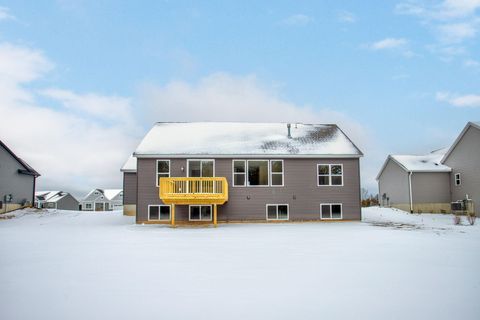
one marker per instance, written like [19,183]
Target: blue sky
[400,76]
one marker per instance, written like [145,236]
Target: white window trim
[160,205]
[276,205]
[188,166]
[156,170]
[233,173]
[199,205]
[268,174]
[330,175]
[459,179]
[84,207]
[277,173]
[331,204]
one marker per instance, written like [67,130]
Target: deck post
[215,215]
[173,215]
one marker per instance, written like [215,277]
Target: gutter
[410,190]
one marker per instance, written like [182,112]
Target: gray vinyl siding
[67,203]
[430,187]
[129,188]
[20,186]
[465,159]
[300,192]
[394,183]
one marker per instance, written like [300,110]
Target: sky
[81,82]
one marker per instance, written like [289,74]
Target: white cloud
[297,20]
[71,149]
[346,16]
[471,63]
[457,32]
[5,14]
[389,43]
[462,101]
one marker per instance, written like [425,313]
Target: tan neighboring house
[429,183]
[129,171]
[17,181]
[209,172]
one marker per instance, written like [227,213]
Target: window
[88,206]
[458,179]
[163,169]
[158,213]
[276,172]
[201,168]
[330,174]
[257,173]
[239,172]
[277,211]
[331,211]
[200,213]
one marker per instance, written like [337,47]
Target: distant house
[17,181]
[428,183]
[210,172]
[103,200]
[129,170]
[55,200]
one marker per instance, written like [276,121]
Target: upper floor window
[239,172]
[458,179]
[257,172]
[276,172]
[201,168]
[330,174]
[163,169]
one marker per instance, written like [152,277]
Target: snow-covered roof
[130,165]
[248,139]
[111,193]
[50,196]
[419,163]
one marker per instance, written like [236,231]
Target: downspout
[33,195]
[410,190]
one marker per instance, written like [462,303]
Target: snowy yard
[73,265]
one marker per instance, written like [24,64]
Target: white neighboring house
[55,200]
[103,200]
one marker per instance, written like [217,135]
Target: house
[102,200]
[210,172]
[464,159]
[55,200]
[429,183]
[17,181]
[129,171]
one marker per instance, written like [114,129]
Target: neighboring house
[464,159]
[129,170]
[231,171]
[103,200]
[17,181]
[415,183]
[430,182]
[55,200]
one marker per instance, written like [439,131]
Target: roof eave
[460,136]
[250,156]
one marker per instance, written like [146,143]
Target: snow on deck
[79,265]
[236,138]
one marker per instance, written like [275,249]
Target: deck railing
[212,190]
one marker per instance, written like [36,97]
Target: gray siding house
[59,200]
[428,183]
[17,181]
[129,171]
[103,200]
[246,172]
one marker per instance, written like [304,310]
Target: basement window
[277,211]
[158,213]
[458,179]
[200,213]
[331,211]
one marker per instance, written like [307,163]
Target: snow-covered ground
[77,265]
